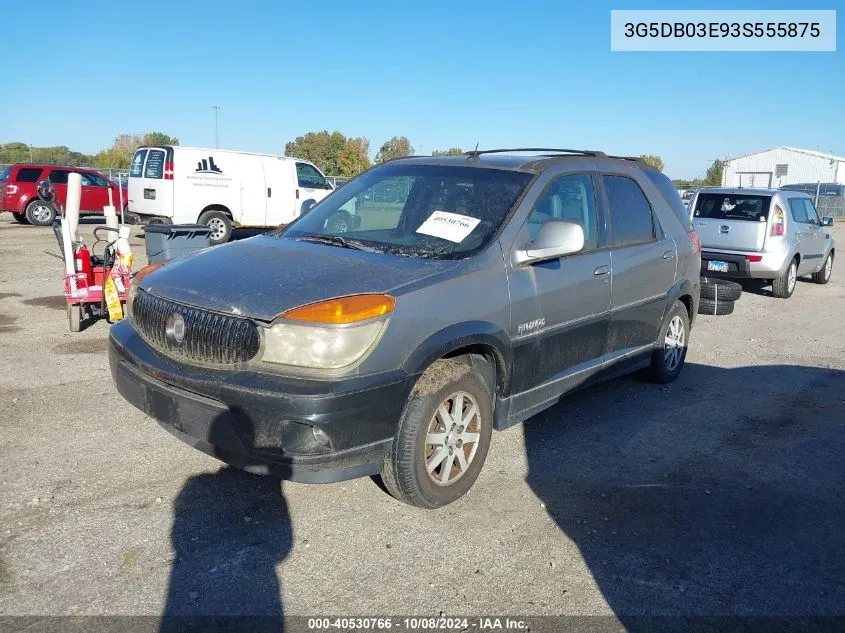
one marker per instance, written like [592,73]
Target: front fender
[469,333]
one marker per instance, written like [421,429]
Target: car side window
[568,198]
[28,174]
[308,177]
[812,214]
[631,216]
[58,176]
[87,181]
[97,180]
[798,210]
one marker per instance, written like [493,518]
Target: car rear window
[155,164]
[4,175]
[137,166]
[729,206]
[28,174]
[672,197]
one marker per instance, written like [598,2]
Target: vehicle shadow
[230,531]
[764,288]
[721,495]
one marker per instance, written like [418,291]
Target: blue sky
[441,73]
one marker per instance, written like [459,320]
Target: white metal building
[783,166]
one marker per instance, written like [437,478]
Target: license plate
[718,267]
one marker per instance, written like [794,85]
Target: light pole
[216,127]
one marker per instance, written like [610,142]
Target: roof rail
[578,152]
[636,159]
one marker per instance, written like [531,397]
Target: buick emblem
[175,329]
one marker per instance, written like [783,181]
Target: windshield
[723,206]
[431,211]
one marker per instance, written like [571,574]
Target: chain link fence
[828,197]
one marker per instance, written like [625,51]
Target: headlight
[330,334]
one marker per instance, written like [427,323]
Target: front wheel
[40,213]
[443,437]
[668,358]
[823,276]
[220,225]
[784,286]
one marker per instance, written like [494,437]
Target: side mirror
[555,239]
[827,221]
[46,191]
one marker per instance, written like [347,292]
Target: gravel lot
[721,494]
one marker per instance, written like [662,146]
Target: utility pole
[30,154]
[216,127]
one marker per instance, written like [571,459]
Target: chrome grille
[209,337]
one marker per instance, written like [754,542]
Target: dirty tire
[404,472]
[20,218]
[675,326]
[784,286]
[40,213]
[74,317]
[713,307]
[220,225]
[720,289]
[823,276]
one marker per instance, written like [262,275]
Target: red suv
[18,184]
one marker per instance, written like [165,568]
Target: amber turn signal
[146,270]
[343,309]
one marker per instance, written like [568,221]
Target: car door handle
[669,255]
[297,194]
[269,192]
[601,270]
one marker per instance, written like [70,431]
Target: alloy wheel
[452,438]
[673,348]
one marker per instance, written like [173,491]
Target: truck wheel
[823,276]
[338,223]
[74,316]
[667,360]
[20,218]
[40,213]
[442,440]
[220,225]
[784,286]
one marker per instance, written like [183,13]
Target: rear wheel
[20,218]
[443,437]
[338,223]
[220,225]
[784,286]
[823,276]
[667,360]
[40,213]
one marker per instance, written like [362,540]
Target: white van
[222,188]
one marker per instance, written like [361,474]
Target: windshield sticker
[448,226]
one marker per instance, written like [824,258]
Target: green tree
[654,160]
[396,147]
[453,151]
[159,138]
[714,173]
[333,153]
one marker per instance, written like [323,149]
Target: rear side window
[59,176]
[155,164]
[631,221]
[29,174]
[673,199]
[798,210]
[135,169]
[723,206]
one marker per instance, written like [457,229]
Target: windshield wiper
[336,240]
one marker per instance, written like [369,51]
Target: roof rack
[636,159]
[578,152]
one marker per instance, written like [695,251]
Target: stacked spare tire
[718,296]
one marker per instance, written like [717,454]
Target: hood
[263,276]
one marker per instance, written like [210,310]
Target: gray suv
[767,234]
[493,285]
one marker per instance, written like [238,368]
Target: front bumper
[771,266]
[263,422]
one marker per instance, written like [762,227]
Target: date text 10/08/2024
[417,624]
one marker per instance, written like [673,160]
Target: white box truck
[221,188]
